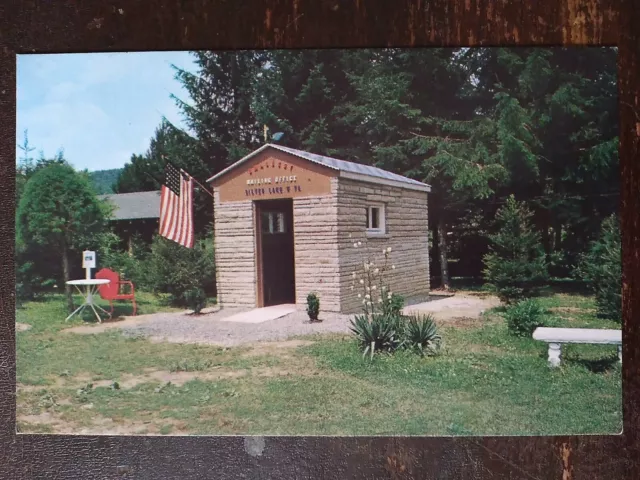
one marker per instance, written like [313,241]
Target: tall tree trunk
[442,251]
[65,275]
[541,219]
[558,239]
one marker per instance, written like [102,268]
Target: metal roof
[353,170]
[136,205]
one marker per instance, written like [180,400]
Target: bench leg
[554,354]
[620,353]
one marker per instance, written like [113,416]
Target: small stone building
[286,222]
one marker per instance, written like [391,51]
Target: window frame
[382,224]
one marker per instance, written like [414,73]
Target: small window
[375,220]
[280,224]
[267,222]
[273,222]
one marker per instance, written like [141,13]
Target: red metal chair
[111,291]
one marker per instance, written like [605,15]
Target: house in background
[135,214]
[285,222]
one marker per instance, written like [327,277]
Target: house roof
[136,205]
[355,171]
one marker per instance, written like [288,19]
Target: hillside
[103,180]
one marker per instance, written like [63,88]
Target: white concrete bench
[555,337]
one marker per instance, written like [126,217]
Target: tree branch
[446,139]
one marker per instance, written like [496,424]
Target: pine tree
[515,266]
[557,136]
[219,109]
[297,92]
[601,266]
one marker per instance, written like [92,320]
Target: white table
[90,289]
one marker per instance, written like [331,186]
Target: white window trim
[382,230]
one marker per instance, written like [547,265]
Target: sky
[100,108]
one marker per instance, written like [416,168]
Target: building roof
[355,171]
[134,206]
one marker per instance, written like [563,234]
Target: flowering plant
[371,281]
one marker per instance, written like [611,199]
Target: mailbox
[88,259]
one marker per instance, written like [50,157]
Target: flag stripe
[176,211]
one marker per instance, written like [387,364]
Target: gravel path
[207,329]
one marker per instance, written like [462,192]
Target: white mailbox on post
[88,261]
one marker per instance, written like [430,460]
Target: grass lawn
[486,382]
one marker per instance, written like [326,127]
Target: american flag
[176,206]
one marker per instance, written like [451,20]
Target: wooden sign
[273,174]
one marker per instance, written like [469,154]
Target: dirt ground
[100,425]
[207,329]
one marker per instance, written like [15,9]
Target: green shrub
[524,317]
[132,266]
[180,272]
[516,266]
[422,335]
[377,333]
[37,270]
[29,284]
[601,267]
[195,298]
[393,305]
[313,306]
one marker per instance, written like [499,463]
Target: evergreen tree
[557,137]
[59,211]
[146,172]
[296,92]
[515,266]
[219,111]
[601,266]
[417,111]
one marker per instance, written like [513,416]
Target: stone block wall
[407,234]
[315,226]
[325,229]
[235,253]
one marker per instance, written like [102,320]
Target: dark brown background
[119,25]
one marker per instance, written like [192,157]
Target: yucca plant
[377,333]
[422,334]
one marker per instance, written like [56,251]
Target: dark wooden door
[275,220]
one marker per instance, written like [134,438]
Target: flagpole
[201,186]
[192,178]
